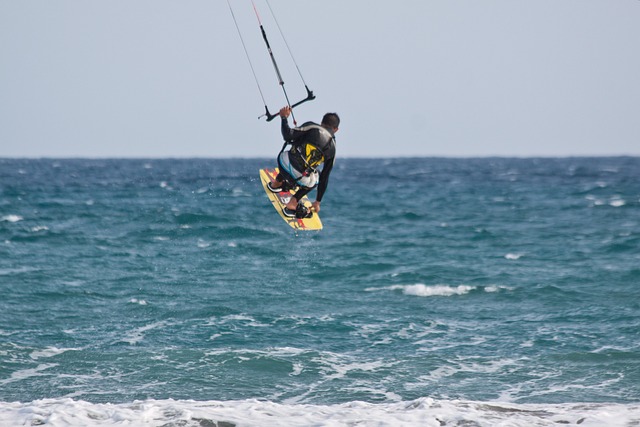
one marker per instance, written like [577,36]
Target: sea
[441,292]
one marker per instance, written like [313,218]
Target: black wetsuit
[309,133]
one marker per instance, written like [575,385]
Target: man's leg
[293,203]
[282,182]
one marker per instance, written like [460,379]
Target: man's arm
[287,132]
[324,180]
[289,135]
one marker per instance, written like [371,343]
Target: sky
[455,78]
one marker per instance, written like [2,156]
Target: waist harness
[307,157]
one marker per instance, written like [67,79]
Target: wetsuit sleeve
[324,179]
[285,129]
[290,135]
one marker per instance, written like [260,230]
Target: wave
[67,412]
[11,218]
[422,290]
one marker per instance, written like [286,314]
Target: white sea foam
[232,318]
[339,367]
[300,320]
[513,256]
[425,412]
[422,290]
[615,201]
[202,244]
[468,364]
[11,218]
[27,373]
[271,352]
[137,335]
[49,352]
[496,288]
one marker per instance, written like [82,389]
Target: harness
[307,155]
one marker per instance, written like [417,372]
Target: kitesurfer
[313,147]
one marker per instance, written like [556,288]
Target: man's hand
[285,112]
[316,206]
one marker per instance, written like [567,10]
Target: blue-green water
[485,280]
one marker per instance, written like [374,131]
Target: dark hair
[331,119]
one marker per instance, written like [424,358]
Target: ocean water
[441,292]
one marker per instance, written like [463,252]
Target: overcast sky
[169,78]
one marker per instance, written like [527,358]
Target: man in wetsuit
[312,146]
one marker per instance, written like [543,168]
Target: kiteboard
[280,200]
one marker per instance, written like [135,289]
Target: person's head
[331,120]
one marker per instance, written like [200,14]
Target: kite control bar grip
[269,116]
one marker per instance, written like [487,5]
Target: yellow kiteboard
[280,200]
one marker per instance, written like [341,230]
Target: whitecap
[423,290]
[297,369]
[202,244]
[137,335]
[437,290]
[616,203]
[27,373]
[237,318]
[11,218]
[497,288]
[513,256]
[49,352]
[249,354]
[38,228]
[424,411]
